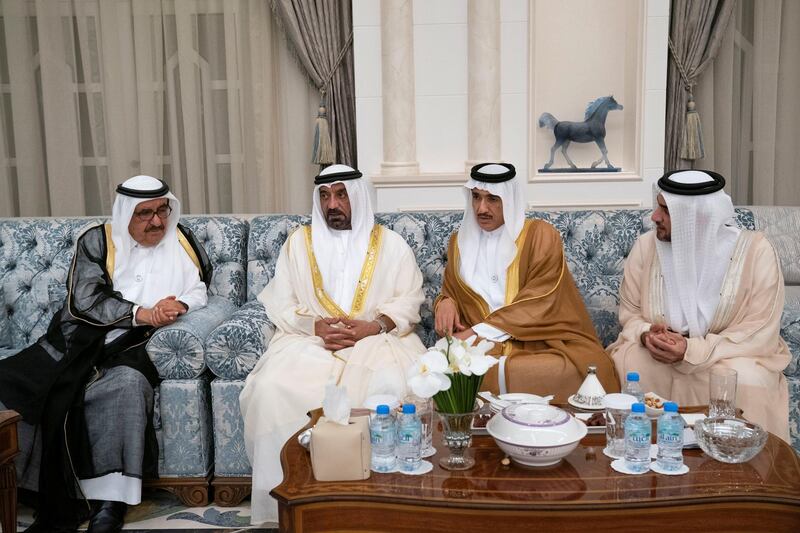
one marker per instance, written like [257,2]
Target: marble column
[483,101]
[397,70]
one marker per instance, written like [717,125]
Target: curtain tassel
[692,142]
[322,150]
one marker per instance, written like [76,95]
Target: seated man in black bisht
[85,389]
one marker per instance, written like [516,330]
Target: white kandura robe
[744,333]
[290,378]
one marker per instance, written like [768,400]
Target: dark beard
[336,220]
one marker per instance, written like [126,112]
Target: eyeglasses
[146,215]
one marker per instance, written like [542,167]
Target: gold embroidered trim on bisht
[189,250]
[110,251]
[474,296]
[512,273]
[364,280]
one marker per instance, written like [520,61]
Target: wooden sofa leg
[230,491]
[192,491]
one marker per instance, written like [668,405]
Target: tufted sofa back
[225,241]
[35,256]
[596,244]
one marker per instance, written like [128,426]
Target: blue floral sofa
[35,255]
[596,244]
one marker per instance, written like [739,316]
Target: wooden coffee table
[581,493]
[8,476]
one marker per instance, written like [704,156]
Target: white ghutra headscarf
[487,255]
[703,240]
[340,253]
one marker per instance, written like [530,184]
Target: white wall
[555,57]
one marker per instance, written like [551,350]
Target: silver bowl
[730,440]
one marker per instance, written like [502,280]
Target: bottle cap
[382,409]
[637,408]
[409,408]
[671,407]
[633,376]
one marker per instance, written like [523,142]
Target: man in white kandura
[699,293]
[344,300]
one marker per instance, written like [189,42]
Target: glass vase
[457,436]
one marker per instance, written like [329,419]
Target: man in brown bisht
[507,281]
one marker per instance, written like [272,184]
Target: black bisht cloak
[45,382]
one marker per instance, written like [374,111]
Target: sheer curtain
[203,93]
[750,104]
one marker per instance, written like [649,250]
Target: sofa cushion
[230,457]
[35,256]
[225,241]
[267,235]
[234,348]
[790,329]
[184,428]
[178,350]
[782,227]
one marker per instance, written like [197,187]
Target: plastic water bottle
[383,438]
[633,387]
[637,439]
[409,439]
[670,438]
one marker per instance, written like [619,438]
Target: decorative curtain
[203,93]
[321,34]
[696,30]
[751,94]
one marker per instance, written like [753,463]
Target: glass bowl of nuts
[654,404]
[730,440]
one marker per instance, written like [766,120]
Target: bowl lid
[535,425]
[524,397]
[535,415]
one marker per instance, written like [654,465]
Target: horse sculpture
[593,128]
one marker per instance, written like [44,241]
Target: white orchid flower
[458,351]
[442,343]
[427,376]
[481,364]
[474,359]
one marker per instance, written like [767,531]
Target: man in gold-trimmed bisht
[507,281]
[85,388]
[344,300]
[699,293]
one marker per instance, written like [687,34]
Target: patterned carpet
[161,511]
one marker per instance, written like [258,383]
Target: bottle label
[408,437]
[671,438]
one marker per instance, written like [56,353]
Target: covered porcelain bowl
[536,434]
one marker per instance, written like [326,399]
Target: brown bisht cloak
[552,339]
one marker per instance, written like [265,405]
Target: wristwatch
[382,323]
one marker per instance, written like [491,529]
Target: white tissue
[336,404]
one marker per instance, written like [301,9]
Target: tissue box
[341,453]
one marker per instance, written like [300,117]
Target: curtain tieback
[322,150]
[692,139]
